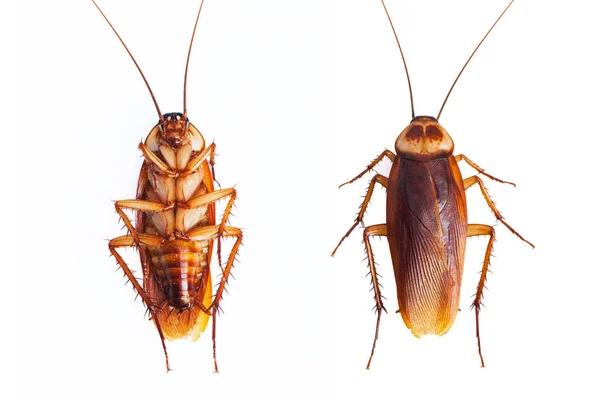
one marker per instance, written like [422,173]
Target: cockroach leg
[385,153]
[201,306]
[211,161]
[195,162]
[479,169]
[213,232]
[374,230]
[481,230]
[214,339]
[125,241]
[475,179]
[228,232]
[219,253]
[151,157]
[221,289]
[212,197]
[383,181]
[140,205]
[144,238]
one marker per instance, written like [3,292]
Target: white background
[299,96]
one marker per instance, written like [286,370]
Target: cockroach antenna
[469,59]
[160,116]
[187,62]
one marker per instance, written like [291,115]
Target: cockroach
[426,222]
[175,225]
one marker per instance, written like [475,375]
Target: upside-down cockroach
[175,225]
[426,222]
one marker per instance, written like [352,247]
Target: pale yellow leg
[139,205]
[192,166]
[212,197]
[151,157]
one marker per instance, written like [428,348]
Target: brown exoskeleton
[176,225]
[426,222]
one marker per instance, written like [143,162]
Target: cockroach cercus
[426,222]
[176,226]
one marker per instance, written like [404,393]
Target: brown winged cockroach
[176,226]
[426,222]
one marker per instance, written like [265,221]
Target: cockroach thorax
[424,139]
[175,131]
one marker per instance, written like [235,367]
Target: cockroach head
[424,139]
[174,129]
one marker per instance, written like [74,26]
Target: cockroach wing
[427,232]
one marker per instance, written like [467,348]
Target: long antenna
[160,116]
[472,54]
[187,62]
[412,104]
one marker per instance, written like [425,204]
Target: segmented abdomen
[178,267]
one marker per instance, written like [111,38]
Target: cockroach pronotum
[175,225]
[426,222]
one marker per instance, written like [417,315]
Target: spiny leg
[219,246]
[479,230]
[374,230]
[152,158]
[475,179]
[211,161]
[479,169]
[211,233]
[139,205]
[383,181]
[195,162]
[194,202]
[212,197]
[128,241]
[229,232]
[220,291]
[201,306]
[385,153]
